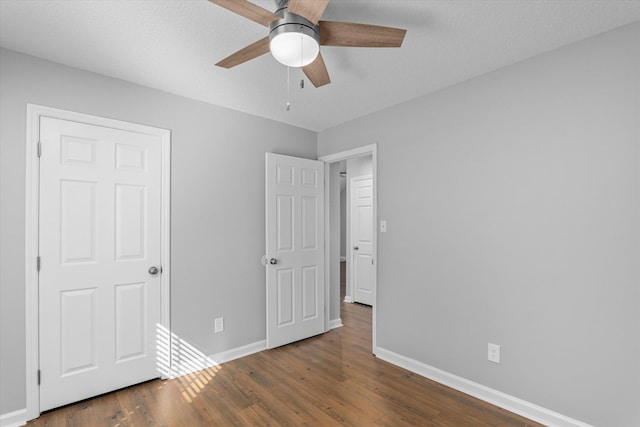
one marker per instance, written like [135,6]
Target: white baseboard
[498,398]
[187,360]
[14,419]
[348,299]
[343,259]
[198,361]
[335,323]
[503,400]
[238,352]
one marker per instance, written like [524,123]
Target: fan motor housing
[291,23]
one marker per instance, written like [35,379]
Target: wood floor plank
[328,380]
[109,412]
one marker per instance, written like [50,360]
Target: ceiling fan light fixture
[294,35]
[294,41]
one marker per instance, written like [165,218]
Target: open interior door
[294,249]
[362,229]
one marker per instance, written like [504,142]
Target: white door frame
[32,189]
[372,150]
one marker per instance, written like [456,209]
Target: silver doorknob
[273,261]
[153,270]
[355,248]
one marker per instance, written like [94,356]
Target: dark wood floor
[328,380]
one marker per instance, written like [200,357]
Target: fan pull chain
[288,91]
[301,46]
[301,56]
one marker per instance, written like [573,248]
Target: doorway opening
[351,238]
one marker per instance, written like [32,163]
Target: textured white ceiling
[172,45]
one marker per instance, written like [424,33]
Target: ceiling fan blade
[310,9]
[317,72]
[243,55]
[349,34]
[248,10]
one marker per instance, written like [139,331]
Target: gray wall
[359,166]
[217,184]
[515,198]
[334,250]
[343,222]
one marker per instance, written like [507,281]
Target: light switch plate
[383,226]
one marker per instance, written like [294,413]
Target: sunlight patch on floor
[179,360]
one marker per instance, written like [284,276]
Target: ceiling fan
[296,33]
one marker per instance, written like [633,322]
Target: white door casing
[102,221]
[294,249]
[362,230]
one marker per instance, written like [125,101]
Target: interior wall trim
[335,323]
[510,403]
[14,419]
[212,361]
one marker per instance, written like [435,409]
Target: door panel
[131,158]
[309,223]
[309,292]
[78,221]
[78,151]
[362,229]
[100,230]
[284,297]
[130,224]
[78,332]
[284,223]
[295,241]
[131,303]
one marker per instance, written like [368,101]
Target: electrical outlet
[494,353]
[219,324]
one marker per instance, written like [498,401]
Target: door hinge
[39,377]
[38,263]
[371,261]
[39,149]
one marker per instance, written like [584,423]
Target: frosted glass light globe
[294,49]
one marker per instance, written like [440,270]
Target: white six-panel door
[100,232]
[294,248]
[362,229]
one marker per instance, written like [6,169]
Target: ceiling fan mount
[280,6]
[296,34]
